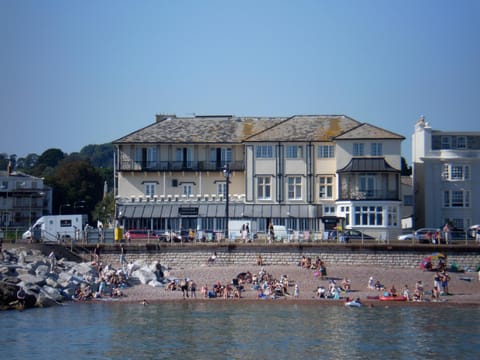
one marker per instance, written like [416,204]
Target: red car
[140,234]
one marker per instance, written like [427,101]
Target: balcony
[131,165]
[369,195]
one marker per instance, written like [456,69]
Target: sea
[263,329]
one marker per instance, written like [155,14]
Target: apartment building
[307,173]
[446,172]
[23,199]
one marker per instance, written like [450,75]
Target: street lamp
[79,205]
[62,206]
[227,173]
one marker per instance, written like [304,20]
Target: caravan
[56,228]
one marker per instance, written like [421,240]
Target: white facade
[446,172]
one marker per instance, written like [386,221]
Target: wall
[245,255]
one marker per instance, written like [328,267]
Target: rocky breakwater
[31,279]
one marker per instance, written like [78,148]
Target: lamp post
[62,206]
[227,173]
[79,205]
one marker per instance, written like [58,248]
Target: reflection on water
[246,330]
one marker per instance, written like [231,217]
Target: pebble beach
[464,287]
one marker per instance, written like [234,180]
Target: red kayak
[392,298]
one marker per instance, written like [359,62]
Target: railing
[131,165]
[369,195]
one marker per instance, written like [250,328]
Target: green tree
[406,170]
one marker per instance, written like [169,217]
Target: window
[328,210]
[368,216]
[455,172]
[326,187]
[326,151]
[366,184]
[294,188]
[461,142]
[294,152]
[147,157]
[446,142]
[184,157]
[264,188]
[376,149]
[187,189]
[358,149]
[392,216]
[456,198]
[264,152]
[222,188]
[150,188]
[220,156]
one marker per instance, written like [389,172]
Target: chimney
[161,117]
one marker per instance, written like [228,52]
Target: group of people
[319,267]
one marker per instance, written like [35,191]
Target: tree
[406,170]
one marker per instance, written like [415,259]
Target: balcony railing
[131,165]
[369,195]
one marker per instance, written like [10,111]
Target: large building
[306,173]
[446,176]
[23,199]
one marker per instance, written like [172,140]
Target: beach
[464,287]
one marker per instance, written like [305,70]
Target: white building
[300,172]
[446,176]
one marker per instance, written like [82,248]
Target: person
[96,253]
[446,232]
[406,292]
[191,235]
[371,283]
[184,287]
[204,291]
[437,238]
[123,259]
[244,232]
[53,261]
[158,270]
[393,291]
[296,291]
[259,260]
[144,302]
[212,258]
[435,294]
[193,288]
[428,237]
[271,233]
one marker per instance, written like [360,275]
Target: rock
[144,275]
[53,293]
[155,283]
[42,270]
[31,279]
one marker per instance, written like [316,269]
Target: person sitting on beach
[406,292]
[303,261]
[259,260]
[346,285]
[212,258]
[379,286]
[393,291]
[321,292]
[172,285]
[371,283]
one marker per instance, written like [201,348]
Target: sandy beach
[464,288]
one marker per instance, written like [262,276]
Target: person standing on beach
[296,292]
[123,260]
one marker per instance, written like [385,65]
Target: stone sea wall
[244,255]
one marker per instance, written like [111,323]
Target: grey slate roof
[368,165]
[231,129]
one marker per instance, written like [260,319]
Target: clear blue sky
[74,73]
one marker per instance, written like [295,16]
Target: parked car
[347,235]
[135,234]
[472,230]
[406,237]
[421,235]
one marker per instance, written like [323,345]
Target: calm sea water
[253,330]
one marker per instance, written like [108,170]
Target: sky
[74,73]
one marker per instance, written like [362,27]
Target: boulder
[144,275]
[155,283]
[52,293]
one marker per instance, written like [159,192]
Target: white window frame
[368,215]
[455,172]
[150,188]
[358,149]
[294,188]
[294,152]
[264,188]
[222,188]
[325,187]
[187,189]
[264,151]
[376,149]
[326,151]
[456,198]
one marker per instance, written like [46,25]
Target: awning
[138,212]
[147,211]
[368,165]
